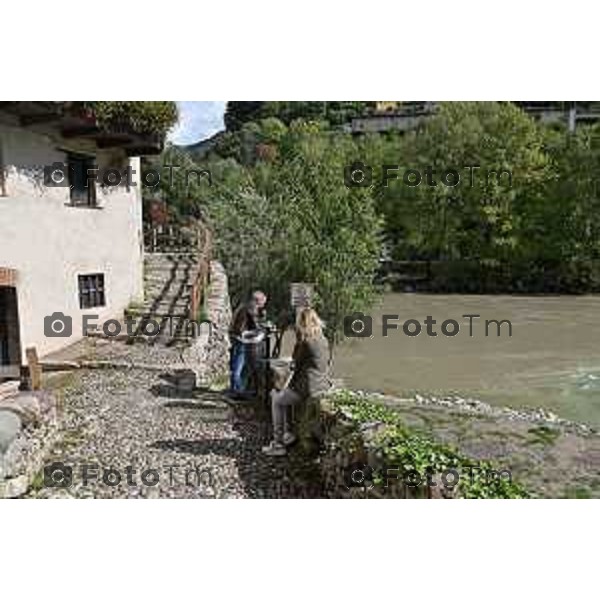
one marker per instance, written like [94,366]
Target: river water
[552,358]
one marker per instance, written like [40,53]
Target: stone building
[68,244]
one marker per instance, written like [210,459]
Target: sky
[197,121]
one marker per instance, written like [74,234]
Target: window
[82,193]
[91,290]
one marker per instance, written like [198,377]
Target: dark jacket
[311,367]
[244,319]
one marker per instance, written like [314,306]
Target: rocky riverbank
[477,407]
[548,455]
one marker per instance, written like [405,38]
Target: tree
[334,112]
[492,156]
[238,113]
[295,220]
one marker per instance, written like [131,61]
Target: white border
[316,50]
[296,549]
[305,51]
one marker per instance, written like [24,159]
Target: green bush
[414,451]
[140,117]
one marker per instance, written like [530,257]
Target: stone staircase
[168,282]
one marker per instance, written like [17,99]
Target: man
[244,333]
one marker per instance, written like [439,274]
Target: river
[552,358]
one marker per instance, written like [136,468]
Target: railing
[168,238]
[202,276]
[194,239]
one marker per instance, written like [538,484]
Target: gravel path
[128,425]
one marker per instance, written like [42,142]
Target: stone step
[168,298]
[162,308]
[169,266]
[192,255]
[168,292]
[179,282]
[164,276]
[167,284]
[168,295]
[156,315]
[167,273]
[170,258]
[162,337]
[164,303]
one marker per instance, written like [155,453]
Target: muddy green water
[551,360]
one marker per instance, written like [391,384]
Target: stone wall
[351,463]
[208,355]
[28,428]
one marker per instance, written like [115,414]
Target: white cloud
[197,121]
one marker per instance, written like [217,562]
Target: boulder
[9,388]
[15,487]
[10,426]
[25,406]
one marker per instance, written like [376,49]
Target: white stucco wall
[50,243]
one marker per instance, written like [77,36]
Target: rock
[8,389]
[10,426]
[13,488]
[25,406]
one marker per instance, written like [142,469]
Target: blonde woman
[309,378]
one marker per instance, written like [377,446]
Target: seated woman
[309,378]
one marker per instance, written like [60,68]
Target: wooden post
[35,369]
[194,301]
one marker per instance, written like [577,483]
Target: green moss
[37,483]
[578,493]
[415,451]
[543,435]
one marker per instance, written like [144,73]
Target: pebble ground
[140,438]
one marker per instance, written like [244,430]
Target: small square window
[91,290]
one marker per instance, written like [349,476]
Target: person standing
[244,332]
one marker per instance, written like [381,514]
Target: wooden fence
[204,242]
